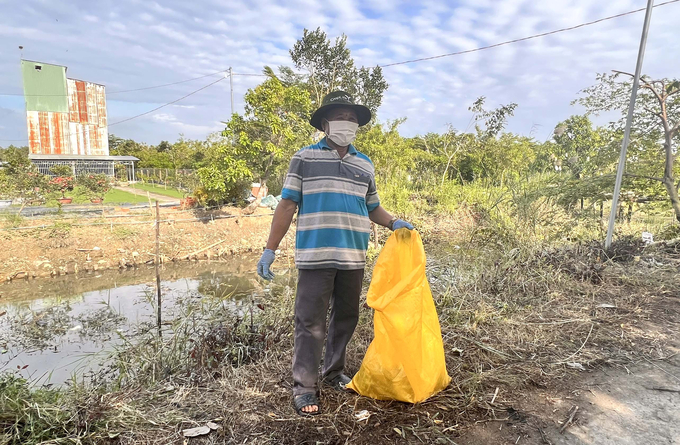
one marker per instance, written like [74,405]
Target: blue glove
[401,224]
[268,257]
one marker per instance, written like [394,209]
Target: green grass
[113,196]
[172,192]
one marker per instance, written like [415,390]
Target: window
[38,67]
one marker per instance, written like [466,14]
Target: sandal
[304,400]
[338,383]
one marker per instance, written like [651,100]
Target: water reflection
[56,328]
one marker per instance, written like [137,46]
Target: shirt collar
[324,144]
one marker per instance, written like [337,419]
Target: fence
[183,179]
[122,170]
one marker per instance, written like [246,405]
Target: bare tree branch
[630,175]
[649,85]
[655,113]
[675,128]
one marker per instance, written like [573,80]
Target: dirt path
[639,405]
[156,196]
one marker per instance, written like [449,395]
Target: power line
[422,59]
[164,85]
[138,115]
[170,103]
[535,36]
[139,89]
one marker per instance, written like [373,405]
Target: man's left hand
[401,224]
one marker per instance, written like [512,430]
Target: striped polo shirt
[334,197]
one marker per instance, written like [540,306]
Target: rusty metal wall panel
[101,106]
[33,123]
[104,138]
[82,101]
[91,92]
[48,132]
[87,146]
[76,135]
[74,113]
[65,133]
[44,122]
[94,140]
[57,121]
[82,139]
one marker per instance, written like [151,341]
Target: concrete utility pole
[629,121]
[231,86]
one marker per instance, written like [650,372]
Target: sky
[128,44]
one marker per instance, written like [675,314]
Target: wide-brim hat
[338,99]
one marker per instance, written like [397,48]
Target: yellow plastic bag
[405,360]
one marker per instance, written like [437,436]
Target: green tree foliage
[656,119]
[392,155]
[330,67]
[489,153]
[442,153]
[259,144]
[395,160]
[19,177]
[183,154]
[581,149]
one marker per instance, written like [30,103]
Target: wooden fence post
[157,263]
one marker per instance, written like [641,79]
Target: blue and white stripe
[334,197]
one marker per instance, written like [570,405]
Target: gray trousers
[316,289]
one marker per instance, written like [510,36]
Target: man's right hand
[268,257]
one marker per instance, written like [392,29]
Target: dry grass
[512,319]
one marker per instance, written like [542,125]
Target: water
[55,329]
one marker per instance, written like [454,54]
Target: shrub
[62,184]
[96,184]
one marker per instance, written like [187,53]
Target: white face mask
[342,133]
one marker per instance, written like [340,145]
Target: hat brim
[363,114]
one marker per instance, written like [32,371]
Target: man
[333,185]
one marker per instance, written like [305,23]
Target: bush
[62,184]
[62,170]
[96,184]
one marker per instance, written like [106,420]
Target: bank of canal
[53,330]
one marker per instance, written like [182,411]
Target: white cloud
[135,45]
[164,117]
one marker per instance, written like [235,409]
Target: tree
[486,156]
[447,148]
[389,151]
[580,148]
[331,67]
[657,117]
[165,146]
[185,153]
[259,143]
[21,177]
[494,120]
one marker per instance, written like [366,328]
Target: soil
[66,244]
[635,404]
[639,405]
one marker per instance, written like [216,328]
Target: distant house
[67,123]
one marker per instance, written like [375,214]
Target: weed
[123,233]
[60,230]
[13,219]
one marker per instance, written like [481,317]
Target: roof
[39,157]
[87,81]
[43,63]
